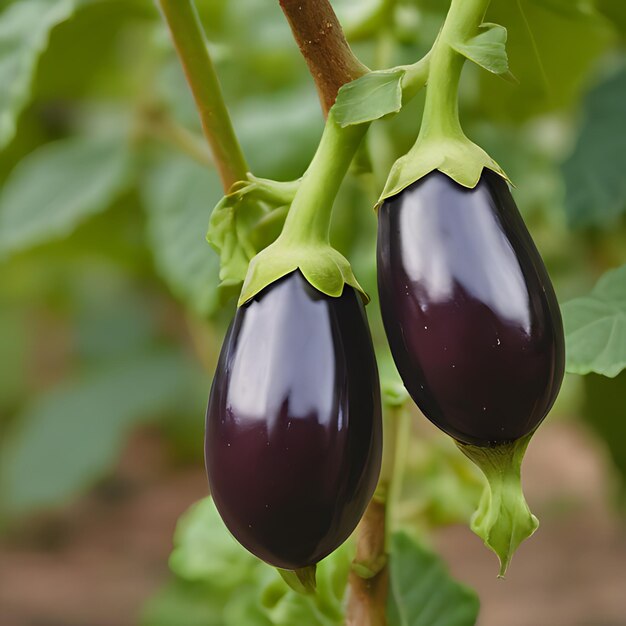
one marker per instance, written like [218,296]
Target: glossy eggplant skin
[469,310]
[293,430]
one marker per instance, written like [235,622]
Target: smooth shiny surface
[470,314]
[294,433]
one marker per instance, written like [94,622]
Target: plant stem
[191,46]
[441,109]
[367,602]
[369,579]
[308,220]
[319,36]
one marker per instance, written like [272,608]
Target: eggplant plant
[293,434]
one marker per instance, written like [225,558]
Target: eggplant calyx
[300,580]
[502,520]
[321,265]
[455,155]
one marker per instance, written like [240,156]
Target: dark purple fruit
[293,432]
[470,314]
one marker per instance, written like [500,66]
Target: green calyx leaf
[300,580]
[369,97]
[454,155]
[323,267]
[245,220]
[502,519]
[487,49]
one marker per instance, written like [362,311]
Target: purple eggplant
[469,310]
[293,429]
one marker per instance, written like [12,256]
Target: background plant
[107,188]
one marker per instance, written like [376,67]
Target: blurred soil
[95,562]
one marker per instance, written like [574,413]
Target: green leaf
[204,550]
[594,174]
[551,70]
[369,97]
[439,486]
[230,239]
[279,131]
[178,195]
[595,327]
[502,520]
[206,556]
[198,604]
[285,607]
[69,437]
[183,604]
[615,10]
[24,30]
[568,8]
[603,409]
[58,186]
[245,221]
[487,49]
[422,593]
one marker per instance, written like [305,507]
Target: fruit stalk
[191,47]
[319,36]
[309,217]
[441,110]
[502,519]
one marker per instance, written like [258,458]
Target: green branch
[441,109]
[310,214]
[191,46]
[441,144]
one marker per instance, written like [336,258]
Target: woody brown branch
[323,45]
[367,601]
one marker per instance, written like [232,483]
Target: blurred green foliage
[108,289]
[219,583]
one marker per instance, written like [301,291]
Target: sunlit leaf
[595,327]
[369,97]
[487,49]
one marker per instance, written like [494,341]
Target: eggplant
[293,426]
[468,308]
